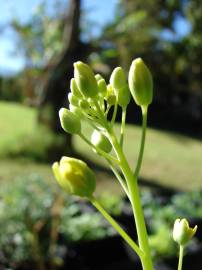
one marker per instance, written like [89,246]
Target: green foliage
[23,204]
[162,244]
[29,208]
[113,203]
[136,29]
[85,227]
[39,39]
[10,90]
[188,204]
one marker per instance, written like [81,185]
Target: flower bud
[182,233]
[140,83]
[76,110]
[83,104]
[101,141]
[119,84]
[73,99]
[74,88]
[118,79]
[102,87]
[123,97]
[70,122]
[74,176]
[110,97]
[98,77]
[85,79]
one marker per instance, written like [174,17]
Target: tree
[51,46]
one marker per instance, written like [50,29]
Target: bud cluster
[90,94]
[95,101]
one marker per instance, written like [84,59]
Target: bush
[33,215]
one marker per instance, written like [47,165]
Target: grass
[21,136]
[170,159]
[17,121]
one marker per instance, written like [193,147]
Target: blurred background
[42,228]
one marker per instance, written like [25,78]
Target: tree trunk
[56,85]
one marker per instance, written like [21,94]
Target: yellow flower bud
[85,79]
[182,233]
[70,122]
[101,141]
[74,176]
[140,83]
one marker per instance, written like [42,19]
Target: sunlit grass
[170,159]
[17,121]
[21,136]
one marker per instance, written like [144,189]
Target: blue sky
[23,9]
[99,11]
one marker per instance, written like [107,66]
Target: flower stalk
[91,99]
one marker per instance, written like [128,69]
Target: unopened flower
[120,86]
[101,141]
[70,122]
[140,82]
[85,79]
[74,176]
[182,232]
[74,88]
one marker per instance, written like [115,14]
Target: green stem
[120,179]
[117,227]
[136,206]
[102,116]
[134,195]
[90,122]
[114,114]
[123,122]
[141,151]
[107,110]
[101,152]
[180,257]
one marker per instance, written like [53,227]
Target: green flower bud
[85,79]
[102,87]
[110,97]
[101,141]
[74,176]
[182,233]
[140,83]
[119,84]
[70,122]
[98,77]
[73,99]
[123,97]
[83,104]
[74,88]
[76,110]
[118,79]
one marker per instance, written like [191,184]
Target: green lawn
[170,159]
[16,122]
